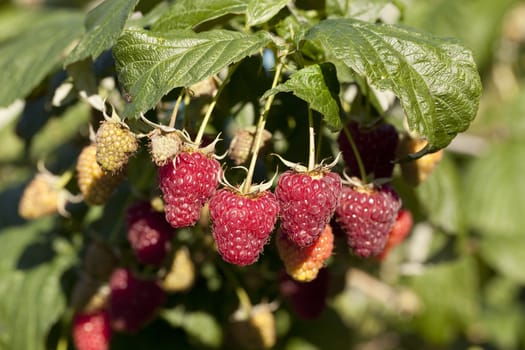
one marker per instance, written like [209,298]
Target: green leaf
[149,18]
[505,255]
[194,322]
[365,10]
[260,11]
[31,297]
[448,292]
[317,85]
[29,57]
[440,196]
[494,191]
[103,26]
[436,80]
[189,13]
[151,64]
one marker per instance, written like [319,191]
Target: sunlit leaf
[436,80]
[151,64]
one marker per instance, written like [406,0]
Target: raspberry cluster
[306,206]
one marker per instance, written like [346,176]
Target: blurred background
[457,282]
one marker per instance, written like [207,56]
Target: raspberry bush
[247,174]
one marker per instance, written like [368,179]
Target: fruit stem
[357,156]
[213,103]
[311,141]
[175,110]
[319,141]
[260,127]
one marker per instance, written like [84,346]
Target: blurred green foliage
[456,283]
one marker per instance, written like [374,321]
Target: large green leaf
[189,13]
[436,80]
[31,297]
[103,26]
[365,10]
[29,57]
[505,254]
[448,292]
[151,64]
[317,85]
[260,11]
[494,191]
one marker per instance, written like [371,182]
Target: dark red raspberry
[148,233]
[376,146]
[366,215]
[132,301]
[398,233]
[307,299]
[91,331]
[307,201]
[242,224]
[187,183]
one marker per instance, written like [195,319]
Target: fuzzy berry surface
[306,299]
[399,231]
[115,144]
[367,216]
[187,183]
[132,301]
[163,147]
[241,224]
[149,234]
[307,202]
[95,184]
[303,264]
[40,198]
[376,146]
[91,331]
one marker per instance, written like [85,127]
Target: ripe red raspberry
[242,224]
[303,264]
[307,299]
[132,301]
[366,215]
[376,147]
[398,233]
[149,234]
[187,183]
[307,201]
[91,331]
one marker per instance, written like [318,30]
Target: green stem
[357,156]
[319,141]
[311,141]
[213,103]
[260,128]
[173,117]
